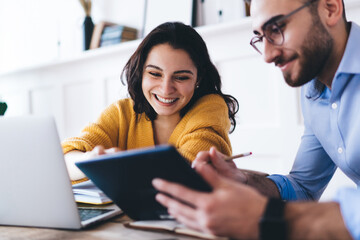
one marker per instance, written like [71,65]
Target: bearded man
[317,48]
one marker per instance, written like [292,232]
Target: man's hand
[229,170]
[231,209]
[225,168]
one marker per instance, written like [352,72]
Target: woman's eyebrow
[153,66]
[176,72]
[184,71]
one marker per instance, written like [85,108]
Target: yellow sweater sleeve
[107,131]
[205,125]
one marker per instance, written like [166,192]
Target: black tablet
[126,178]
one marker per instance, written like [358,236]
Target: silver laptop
[35,188]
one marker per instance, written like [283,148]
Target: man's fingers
[175,208]
[209,174]
[214,157]
[217,159]
[191,223]
[178,191]
[181,212]
[201,158]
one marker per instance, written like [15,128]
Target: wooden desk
[112,229]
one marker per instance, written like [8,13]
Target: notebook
[131,172]
[87,192]
[171,226]
[35,188]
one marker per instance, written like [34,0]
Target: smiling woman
[169,82]
[176,99]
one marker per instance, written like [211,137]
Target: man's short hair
[344,14]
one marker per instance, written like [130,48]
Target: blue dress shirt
[349,200]
[331,138]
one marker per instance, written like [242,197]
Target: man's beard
[315,51]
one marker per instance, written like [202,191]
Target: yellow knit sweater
[206,124]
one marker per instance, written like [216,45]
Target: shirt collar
[349,64]
[351,60]
[313,89]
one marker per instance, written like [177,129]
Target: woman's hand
[75,156]
[99,150]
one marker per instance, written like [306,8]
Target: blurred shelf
[207,31]
[130,46]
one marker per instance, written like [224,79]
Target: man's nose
[271,52]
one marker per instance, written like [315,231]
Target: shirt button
[340,150]
[334,106]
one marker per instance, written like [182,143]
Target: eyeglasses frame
[256,39]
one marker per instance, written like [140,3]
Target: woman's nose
[167,85]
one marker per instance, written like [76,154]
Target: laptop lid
[131,172]
[34,183]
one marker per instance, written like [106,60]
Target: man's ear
[332,11]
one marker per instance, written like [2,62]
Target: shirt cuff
[349,199]
[285,187]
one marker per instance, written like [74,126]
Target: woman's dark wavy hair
[179,36]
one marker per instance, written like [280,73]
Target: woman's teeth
[166,100]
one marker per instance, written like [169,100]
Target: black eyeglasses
[272,30]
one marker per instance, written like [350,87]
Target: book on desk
[87,192]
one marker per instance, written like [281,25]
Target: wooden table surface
[108,230]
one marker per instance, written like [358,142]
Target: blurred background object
[106,34]
[176,10]
[3,107]
[219,11]
[88,24]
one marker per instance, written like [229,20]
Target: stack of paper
[87,192]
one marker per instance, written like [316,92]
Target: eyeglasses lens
[273,35]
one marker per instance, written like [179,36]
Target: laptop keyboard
[87,213]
